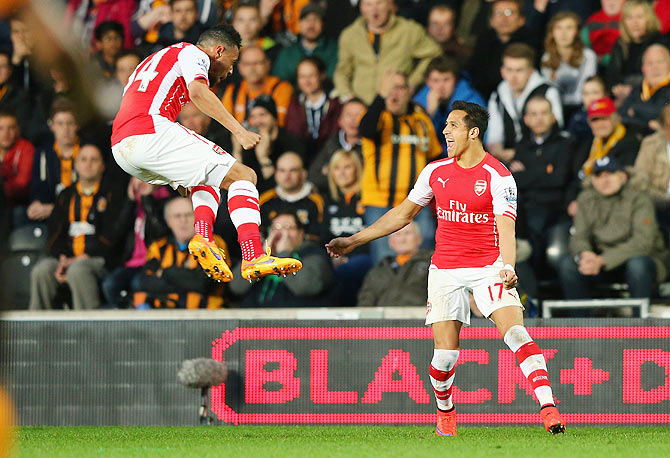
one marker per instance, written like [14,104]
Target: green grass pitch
[339,441]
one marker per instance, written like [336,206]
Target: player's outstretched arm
[393,220]
[209,103]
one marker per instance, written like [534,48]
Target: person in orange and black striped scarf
[81,237]
[171,278]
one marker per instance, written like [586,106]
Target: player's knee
[516,336]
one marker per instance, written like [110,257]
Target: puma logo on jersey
[442,181]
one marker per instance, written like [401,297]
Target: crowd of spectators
[350,98]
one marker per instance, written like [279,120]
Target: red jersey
[158,89]
[467,201]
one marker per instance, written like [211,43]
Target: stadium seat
[32,237]
[15,279]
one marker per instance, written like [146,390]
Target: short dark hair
[126,53]
[195,3]
[108,26]
[314,60]
[475,116]
[355,100]
[442,64]
[536,97]
[289,212]
[8,114]
[520,51]
[223,33]
[61,105]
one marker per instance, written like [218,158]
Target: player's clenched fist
[509,278]
[248,139]
[339,246]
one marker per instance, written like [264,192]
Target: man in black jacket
[542,169]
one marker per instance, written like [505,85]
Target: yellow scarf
[598,150]
[648,91]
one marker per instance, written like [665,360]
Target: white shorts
[449,293]
[173,155]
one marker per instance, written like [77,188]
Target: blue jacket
[463,91]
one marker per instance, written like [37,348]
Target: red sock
[246,216]
[205,205]
[532,364]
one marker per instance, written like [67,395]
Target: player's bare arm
[506,229]
[393,220]
[209,103]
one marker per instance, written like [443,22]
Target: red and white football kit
[467,252]
[147,142]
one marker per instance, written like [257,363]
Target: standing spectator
[109,100]
[398,142]
[312,115]
[255,71]
[16,159]
[274,141]
[138,225]
[616,237]
[280,17]
[23,72]
[309,289]
[81,229]
[542,169]
[646,100]
[247,21]
[148,18]
[53,169]
[310,42]
[593,89]
[442,28]
[171,278]
[343,216]
[13,99]
[566,62]
[602,29]
[507,104]
[539,13]
[400,279]
[83,16]
[443,86]
[183,26]
[639,28]
[346,138]
[108,43]
[379,41]
[293,192]
[507,27]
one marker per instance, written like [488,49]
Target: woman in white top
[566,61]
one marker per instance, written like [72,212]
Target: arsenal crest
[480,187]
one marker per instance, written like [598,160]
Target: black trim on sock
[447,411]
[547,405]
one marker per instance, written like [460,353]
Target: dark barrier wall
[365,371]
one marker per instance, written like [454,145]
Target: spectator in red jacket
[16,157]
[602,28]
[312,115]
[83,16]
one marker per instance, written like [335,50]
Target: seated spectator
[443,86]
[652,169]
[52,169]
[81,229]
[343,216]
[12,98]
[566,62]
[139,223]
[542,169]
[442,28]
[310,42]
[376,42]
[256,80]
[508,102]
[312,115]
[401,279]
[16,159]
[280,18]
[601,30]
[639,28]
[192,118]
[593,89]
[108,44]
[274,141]
[311,287]
[616,237]
[82,16]
[646,100]
[610,138]
[247,21]
[398,142]
[183,26]
[346,138]
[109,100]
[507,26]
[294,193]
[171,278]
